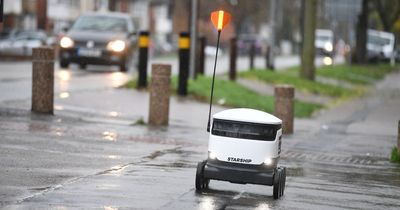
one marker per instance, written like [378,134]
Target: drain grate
[293,155]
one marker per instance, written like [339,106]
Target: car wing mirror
[65,29]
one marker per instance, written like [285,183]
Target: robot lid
[248,115]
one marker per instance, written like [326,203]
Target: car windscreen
[244,130]
[100,23]
[323,38]
[30,36]
[377,40]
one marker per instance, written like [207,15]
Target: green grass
[304,85]
[235,95]
[395,157]
[356,74]
[131,84]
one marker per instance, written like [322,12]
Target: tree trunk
[308,48]
[361,42]
[41,14]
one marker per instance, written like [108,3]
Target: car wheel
[127,63]
[123,68]
[82,66]
[64,63]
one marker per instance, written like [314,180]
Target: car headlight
[66,42]
[328,47]
[268,161]
[116,46]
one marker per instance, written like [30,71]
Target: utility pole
[193,38]
[272,23]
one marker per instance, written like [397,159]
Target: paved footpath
[91,160]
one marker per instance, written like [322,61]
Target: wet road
[93,158]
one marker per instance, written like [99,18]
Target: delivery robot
[244,148]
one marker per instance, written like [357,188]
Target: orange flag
[220,19]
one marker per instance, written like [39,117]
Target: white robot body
[245,136]
[244,147]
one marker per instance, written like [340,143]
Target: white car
[324,42]
[21,43]
[380,45]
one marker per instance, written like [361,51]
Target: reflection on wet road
[75,161]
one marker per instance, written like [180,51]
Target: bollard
[284,106]
[252,54]
[201,55]
[233,57]
[267,57]
[43,80]
[159,94]
[270,58]
[184,45]
[143,57]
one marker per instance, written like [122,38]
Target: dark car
[245,41]
[101,39]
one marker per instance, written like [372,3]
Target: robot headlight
[268,161]
[212,155]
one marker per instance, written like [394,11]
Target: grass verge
[232,94]
[395,157]
[304,85]
[357,74]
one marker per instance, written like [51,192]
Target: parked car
[245,41]
[324,42]
[5,34]
[380,45]
[21,43]
[99,38]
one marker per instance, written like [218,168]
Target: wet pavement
[89,155]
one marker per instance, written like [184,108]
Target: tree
[361,32]
[308,50]
[388,11]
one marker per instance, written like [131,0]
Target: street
[90,154]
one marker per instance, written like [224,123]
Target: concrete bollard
[43,80]
[284,106]
[232,58]
[159,94]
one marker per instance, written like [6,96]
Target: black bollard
[233,57]
[184,46]
[143,57]
[201,55]
[252,54]
[267,57]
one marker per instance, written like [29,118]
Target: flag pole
[212,84]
